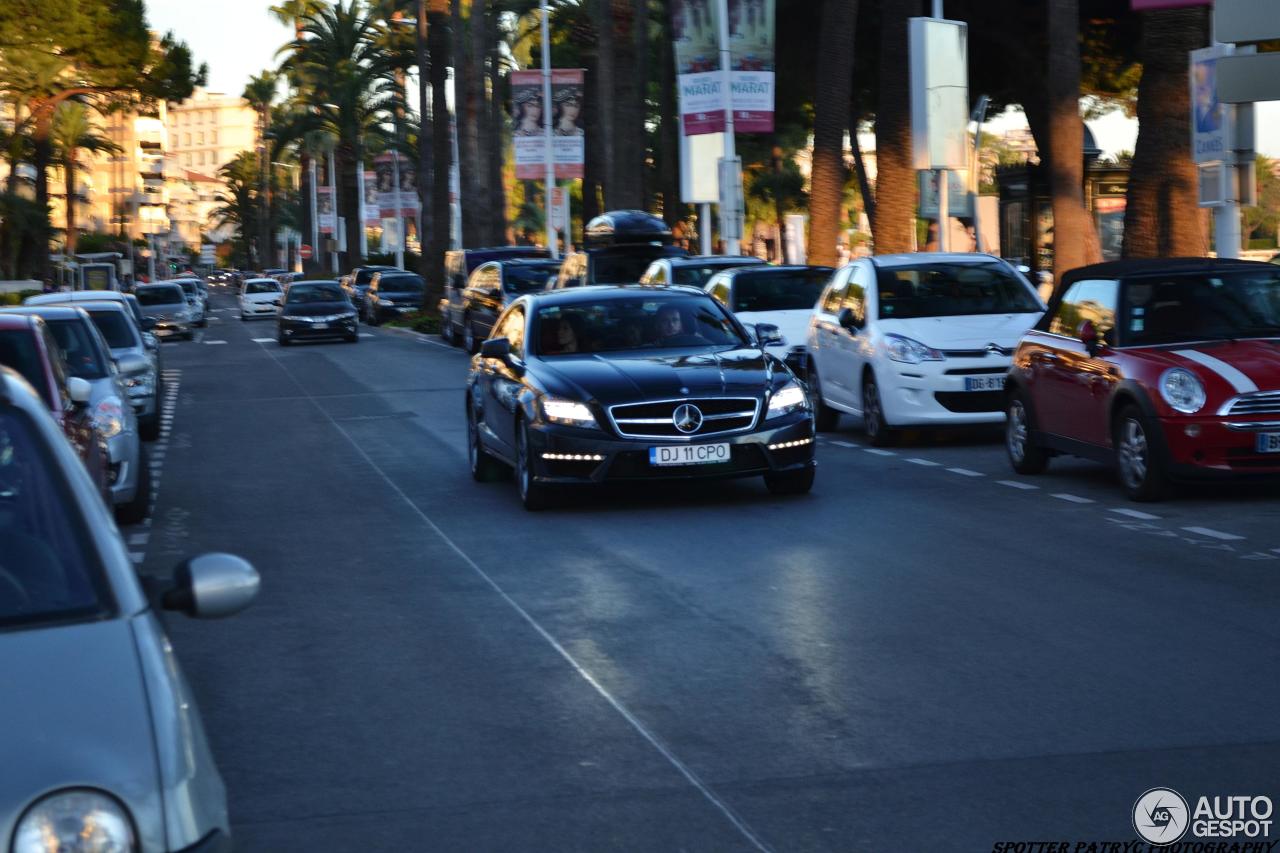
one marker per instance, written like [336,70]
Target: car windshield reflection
[640,323]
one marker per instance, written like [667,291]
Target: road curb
[424,337]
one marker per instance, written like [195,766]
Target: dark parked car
[390,294]
[28,348]
[316,309]
[1166,369]
[494,286]
[458,267]
[356,283]
[615,384]
[619,247]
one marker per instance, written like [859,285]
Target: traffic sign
[207,254]
[304,252]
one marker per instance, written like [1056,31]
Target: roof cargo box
[626,227]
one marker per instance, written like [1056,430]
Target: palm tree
[74,132]
[260,91]
[830,120]
[238,203]
[895,189]
[348,83]
[293,12]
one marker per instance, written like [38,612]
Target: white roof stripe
[1243,384]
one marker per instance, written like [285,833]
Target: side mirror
[133,364]
[846,319]
[79,390]
[1087,332]
[768,334]
[212,586]
[499,348]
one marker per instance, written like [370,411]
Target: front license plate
[984,383]
[689,454]
[1269,442]
[319,325]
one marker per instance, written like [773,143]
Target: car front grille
[1259,403]
[978,353]
[656,419]
[971,402]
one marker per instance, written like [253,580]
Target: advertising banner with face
[389,204]
[751,65]
[326,216]
[568,140]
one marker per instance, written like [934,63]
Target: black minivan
[459,264]
[494,286]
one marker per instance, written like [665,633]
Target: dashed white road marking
[848,444]
[878,452]
[139,538]
[367,335]
[1135,513]
[263,340]
[137,557]
[914,460]
[1014,484]
[214,343]
[965,472]
[1213,534]
[1073,499]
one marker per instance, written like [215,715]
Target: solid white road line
[925,462]
[1014,484]
[1073,499]
[965,472]
[878,452]
[1213,534]
[1135,513]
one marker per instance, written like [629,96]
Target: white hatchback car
[917,340]
[260,297]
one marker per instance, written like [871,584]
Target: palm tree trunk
[468,84]
[1075,241]
[494,138]
[831,115]
[348,205]
[606,89]
[668,153]
[441,153]
[894,219]
[593,167]
[69,178]
[42,157]
[1162,217]
[304,224]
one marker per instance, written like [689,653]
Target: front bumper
[124,453]
[259,309]
[613,459]
[934,393]
[171,328]
[301,330]
[1214,446]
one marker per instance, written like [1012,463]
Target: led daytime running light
[573,457]
[784,445]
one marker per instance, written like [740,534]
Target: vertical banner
[1210,128]
[389,204]
[698,78]
[751,60]
[372,206]
[568,140]
[325,214]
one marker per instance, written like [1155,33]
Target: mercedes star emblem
[687,418]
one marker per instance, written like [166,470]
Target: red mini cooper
[1168,369]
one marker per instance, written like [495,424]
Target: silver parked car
[85,355]
[196,298]
[102,743]
[166,306]
[139,372]
[127,299]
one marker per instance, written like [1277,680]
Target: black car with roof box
[618,248]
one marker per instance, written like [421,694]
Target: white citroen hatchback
[260,297]
[917,340]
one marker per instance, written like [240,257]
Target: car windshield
[78,351]
[527,278]
[117,330]
[619,267]
[46,572]
[189,287]
[262,287]
[698,274]
[1197,307]
[634,323]
[785,290]
[164,295]
[18,351]
[307,294]
[952,290]
[365,275]
[400,284]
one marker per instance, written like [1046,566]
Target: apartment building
[209,129]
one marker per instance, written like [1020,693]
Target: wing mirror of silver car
[130,364]
[768,334]
[847,319]
[212,586]
[79,390]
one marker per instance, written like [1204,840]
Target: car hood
[966,332]
[624,378]
[794,325]
[164,312]
[1240,366]
[75,714]
[316,309]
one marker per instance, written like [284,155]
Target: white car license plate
[689,454]
[319,325]
[1269,442]
[984,383]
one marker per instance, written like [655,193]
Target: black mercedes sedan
[626,383]
[316,309]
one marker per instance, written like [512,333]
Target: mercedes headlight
[909,351]
[75,821]
[108,418]
[789,398]
[568,412]
[1182,390]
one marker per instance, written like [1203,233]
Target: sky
[239,38]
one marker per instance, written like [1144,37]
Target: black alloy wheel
[1138,461]
[878,431]
[534,495]
[484,468]
[1024,456]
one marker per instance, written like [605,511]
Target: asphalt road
[926,653]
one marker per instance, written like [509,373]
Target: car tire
[877,429]
[283,341]
[791,482]
[469,342]
[243,318]
[1024,456]
[534,495]
[484,468]
[1139,461]
[825,418]
[135,511]
[448,333]
[149,428]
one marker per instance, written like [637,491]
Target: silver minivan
[165,305]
